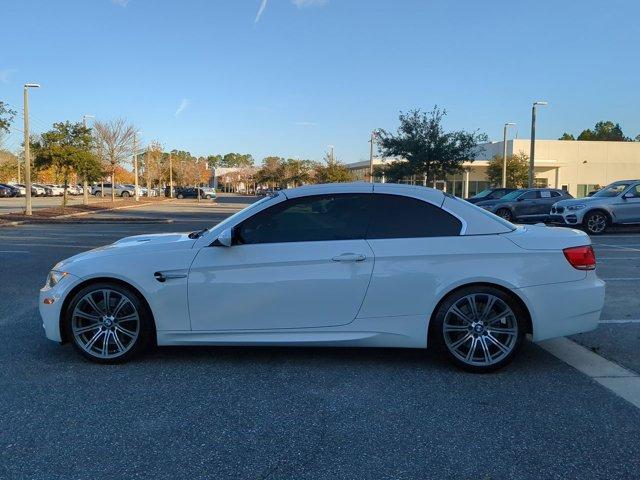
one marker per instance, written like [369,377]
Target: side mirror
[225,239]
[626,195]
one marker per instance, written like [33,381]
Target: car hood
[491,203]
[132,245]
[577,201]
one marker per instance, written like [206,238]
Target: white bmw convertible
[363,265]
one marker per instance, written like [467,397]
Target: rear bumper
[564,309]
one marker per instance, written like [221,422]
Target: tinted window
[307,219]
[556,194]
[395,216]
[530,195]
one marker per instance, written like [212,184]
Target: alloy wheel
[480,329]
[105,323]
[596,223]
[504,213]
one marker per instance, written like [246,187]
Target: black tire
[97,194]
[208,197]
[596,222]
[505,213]
[144,331]
[444,341]
[180,196]
[125,195]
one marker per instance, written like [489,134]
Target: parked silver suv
[617,203]
[120,190]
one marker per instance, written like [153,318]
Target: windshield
[231,220]
[513,195]
[483,193]
[612,190]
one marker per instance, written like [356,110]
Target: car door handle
[164,276]
[349,257]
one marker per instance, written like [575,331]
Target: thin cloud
[263,5]
[121,3]
[183,105]
[309,3]
[6,74]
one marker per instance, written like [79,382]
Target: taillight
[582,258]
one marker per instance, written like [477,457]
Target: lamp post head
[509,124]
[541,103]
[31,85]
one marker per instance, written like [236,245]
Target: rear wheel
[180,195]
[97,194]
[480,328]
[505,213]
[107,323]
[125,195]
[595,222]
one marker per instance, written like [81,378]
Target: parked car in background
[119,190]
[206,193]
[615,204]
[489,194]
[525,205]
[6,191]
[18,190]
[35,191]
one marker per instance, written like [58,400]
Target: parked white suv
[120,190]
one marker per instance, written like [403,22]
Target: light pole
[85,183]
[373,138]
[27,153]
[533,141]
[504,154]
[170,176]
[135,170]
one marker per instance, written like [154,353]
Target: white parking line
[612,376]
[619,258]
[620,321]
[627,248]
[14,251]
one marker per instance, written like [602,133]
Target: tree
[517,170]
[67,149]
[214,161]
[8,166]
[567,136]
[427,149]
[272,171]
[332,171]
[237,160]
[115,142]
[6,117]
[297,172]
[604,131]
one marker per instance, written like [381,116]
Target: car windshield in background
[483,193]
[612,190]
[513,195]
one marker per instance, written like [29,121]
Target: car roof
[431,194]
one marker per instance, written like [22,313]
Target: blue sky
[290,77]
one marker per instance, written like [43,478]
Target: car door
[627,206]
[526,204]
[301,263]
[543,204]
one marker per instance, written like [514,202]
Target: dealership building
[573,165]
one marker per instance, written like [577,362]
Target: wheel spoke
[93,305]
[117,341]
[503,348]
[129,318]
[472,349]
[105,343]
[488,307]
[458,313]
[455,328]
[88,328]
[485,349]
[461,341]
[89,345]
[471,300]
[86,316]
[106,297]
[504,331]
[126,331]
[123,301]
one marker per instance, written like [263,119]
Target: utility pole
[533,142]
[135,170]
[170,176]
[147,163]
[504,155]
[27,153]
[85,183]
[373,136]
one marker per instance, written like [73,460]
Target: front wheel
[97,194]
[180,195]
[595,223]
[480,328]
[505,213]
[107,323]
[125,195]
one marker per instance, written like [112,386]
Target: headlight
[54,277]
[579,206]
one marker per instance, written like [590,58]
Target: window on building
[585,188]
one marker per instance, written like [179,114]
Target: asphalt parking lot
[300,413]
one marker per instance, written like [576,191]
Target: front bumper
[50,312]
[562,309]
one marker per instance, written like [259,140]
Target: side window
[545,194]
[635,191]
[396,216]
[497,194]
[530,195]
[308,219]
[555,193]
